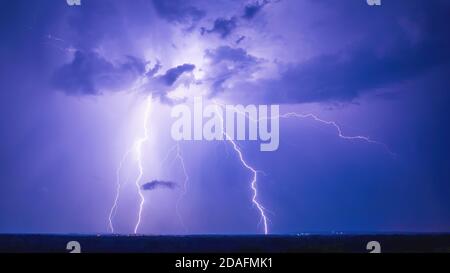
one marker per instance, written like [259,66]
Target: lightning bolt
[138,147]
[185,182]
[179,157]
[326,122]
[337,127]
[138,144]
[254,181]
[254,172]
[113,210]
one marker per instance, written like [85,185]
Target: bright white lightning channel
[137,148]
[113,210]
[254,182]
[255,201]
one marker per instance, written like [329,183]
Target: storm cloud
[347,75]
[223,26]
[172,75]
[252,9]
[381,57]
[91,74]
[59,121]
[178,11]
[161,85]
[228,63]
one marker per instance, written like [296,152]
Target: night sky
[74,83]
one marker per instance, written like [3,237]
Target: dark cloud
[346,75]
[254,8]
[178,11]
[154,70]
[223,26]
[412,46]
[91,74]
[242,38]
[236,55]
[172,75]
[161,85]
[155,184]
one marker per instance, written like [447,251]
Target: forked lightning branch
[229,122]
[216,122]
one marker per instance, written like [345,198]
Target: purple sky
[74,82]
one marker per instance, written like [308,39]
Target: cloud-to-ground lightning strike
[179,157]
[287,115]
[184,187]
[113,210]
[138,146]
[254,182]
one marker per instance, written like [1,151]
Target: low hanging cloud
[159,184]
